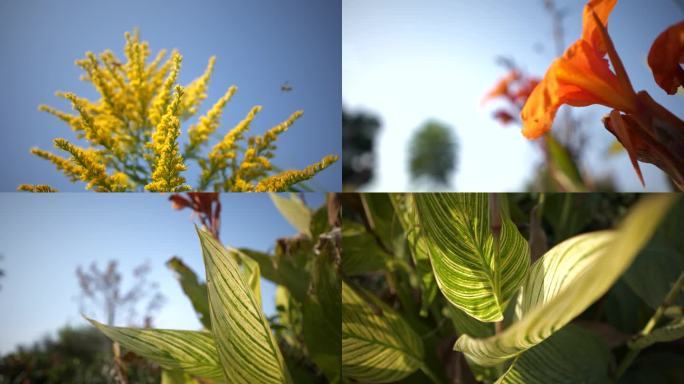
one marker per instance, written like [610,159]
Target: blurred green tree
[433,151]
[358,143]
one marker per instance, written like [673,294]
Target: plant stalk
[669,299]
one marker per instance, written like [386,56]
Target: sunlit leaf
[193,289]
[247,348]
[567,280]
[361,252]
[176,377]
[571,355]
[405,212]
[294,211]
[661,261]
[471,272]
[378,346]
[189,351]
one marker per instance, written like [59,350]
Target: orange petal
[579,78]
[501,88]
[590,32]
[625,135]
[666,56]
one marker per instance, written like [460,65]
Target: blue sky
[43,238]
[410,61]
[259,45]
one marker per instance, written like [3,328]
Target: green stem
[428,373]
[669,299]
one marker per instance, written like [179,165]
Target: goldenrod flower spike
[169,162]
[70,170]
[90,168]
[196,92]
[199,133]
[283,181]
[36,188]
[161,99]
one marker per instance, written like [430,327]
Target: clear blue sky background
[259,45]
[45,237]
[410,61]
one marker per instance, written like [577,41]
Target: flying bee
[286,87]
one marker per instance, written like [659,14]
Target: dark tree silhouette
[358,143]
[432,153]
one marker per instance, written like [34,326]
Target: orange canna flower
[666,56]
[502,87]
[582,76]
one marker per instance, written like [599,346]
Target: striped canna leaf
[571,355]
[189,351]
[378,346]
[294,211]
[247,349]
[567,280]
[476,271]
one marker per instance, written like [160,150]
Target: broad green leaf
[360,251]
[672,331]
[405,210]
[661,261]
[247,348]
[284,270]
[176,377]
[322,317]
[378,346]
[319,222]
[468,325]
[567,280]
[189,351]
[564,163]
[251,274]
[193,289]
[471,272]
[294,211]
[571,355]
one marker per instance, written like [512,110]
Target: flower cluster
[133,131]
[582,76]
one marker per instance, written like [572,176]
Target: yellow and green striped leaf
[567,280]
[247,349]
[571,355]
[294,211]
[189,351]
[378,346]
[472,272]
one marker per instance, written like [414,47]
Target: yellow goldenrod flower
[36,188]
[169,162]
[161,100]
[132,130]
[91,169]
[283,181]
[196,92]
[70,170]
[198,134]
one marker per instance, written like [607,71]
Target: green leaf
[360,252]
[193,289]
[176,377]
[567,280]
[284,270]
[189,351]
[294,211]
[247,348]
[661,261]
[251,274]
[471,273]
[404,207]
[378,346]
[670,332]
[571,355]
[322,317]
